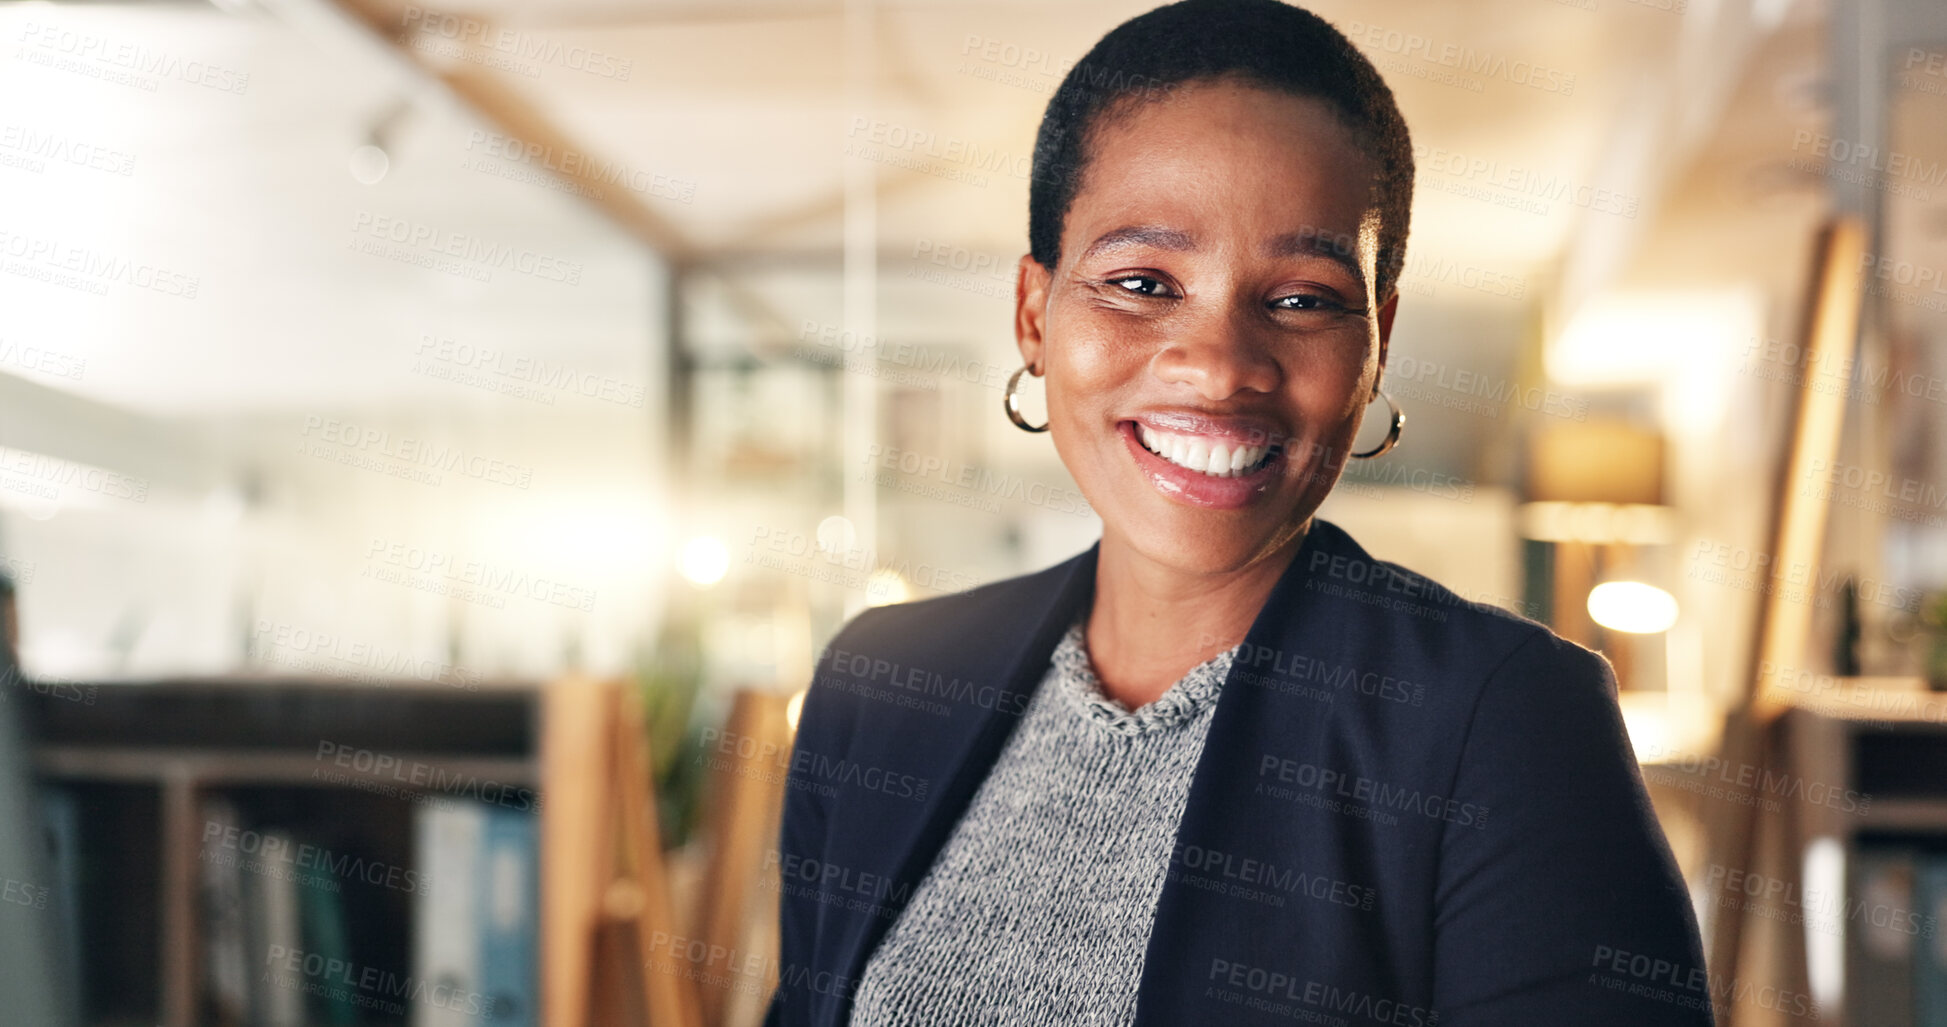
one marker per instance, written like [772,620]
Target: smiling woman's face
[1213,295]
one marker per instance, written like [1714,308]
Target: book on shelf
[446,944]
[1894,961]
[61,826]
[276,942]
[508,925]
[226,962]
[322,924]
[476,915]
[271,896]
[1930,946]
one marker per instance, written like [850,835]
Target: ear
[1031,283]
[1386,312]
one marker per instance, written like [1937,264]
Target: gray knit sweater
[1039,906]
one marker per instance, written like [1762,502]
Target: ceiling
[728,123]
[750,100]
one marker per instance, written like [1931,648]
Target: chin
[1203,541]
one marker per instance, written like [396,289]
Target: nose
[1220,356]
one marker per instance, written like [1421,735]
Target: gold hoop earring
[1012,403]
[1392,432]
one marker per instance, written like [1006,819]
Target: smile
[1217,458]
[1210,462]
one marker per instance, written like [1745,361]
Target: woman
[1224,767]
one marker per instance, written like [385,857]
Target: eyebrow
[1302,243]
[1131,236]
[1310,242]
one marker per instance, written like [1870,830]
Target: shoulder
[1508,679]
[934,663]
[1441,663]
[997,613]
[1413,616]
[1340,561]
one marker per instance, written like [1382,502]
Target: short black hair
[1271,44]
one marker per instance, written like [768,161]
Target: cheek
[1087,367]
[1094,352]
[1329,399]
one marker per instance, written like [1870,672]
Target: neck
[1151,623]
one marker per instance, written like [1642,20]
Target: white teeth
[1216,458]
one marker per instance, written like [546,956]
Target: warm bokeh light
[1647,337]
[705,560]
[1824,873]
[1634,523]
[1681,344]
[1632,606]
[837,535]
[795,707]
[886,587]
[369,164]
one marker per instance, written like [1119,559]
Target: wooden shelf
[155,765]
[289,714]
[342,768]
[325,757]
[1872,701]
[1915,815]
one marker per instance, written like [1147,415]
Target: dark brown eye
[1147,286]
[1315,311]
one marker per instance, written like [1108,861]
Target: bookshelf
[335,779]
[1864,777]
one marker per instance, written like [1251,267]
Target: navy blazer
[1410,810]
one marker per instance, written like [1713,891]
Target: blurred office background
[367,368]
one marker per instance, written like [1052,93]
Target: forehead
[1224,160]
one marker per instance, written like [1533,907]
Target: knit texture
[1039,907]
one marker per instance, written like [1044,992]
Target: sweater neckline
[1194,692]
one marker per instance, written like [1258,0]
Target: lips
[1213,462]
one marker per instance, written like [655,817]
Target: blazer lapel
[1211,913]
[1020,642]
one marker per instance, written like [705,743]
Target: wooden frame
[606,912]
[1797,537]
